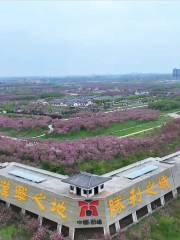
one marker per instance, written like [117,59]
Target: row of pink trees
[93,121]
[92,149]
[24,123]
[88,121]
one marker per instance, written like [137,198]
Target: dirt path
[145,130]
[174,115]
[51,129]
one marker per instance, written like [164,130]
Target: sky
[60,38]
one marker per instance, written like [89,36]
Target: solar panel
[140,172]
[27,175]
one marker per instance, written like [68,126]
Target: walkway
[145,130]
[51,129]
[174,115]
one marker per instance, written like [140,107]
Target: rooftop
[86,180]
[116,181]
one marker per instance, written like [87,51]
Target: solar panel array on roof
[141,171]
[27,175]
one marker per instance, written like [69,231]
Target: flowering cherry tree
[93,121]
[87,121]
[104,148]
[24,123]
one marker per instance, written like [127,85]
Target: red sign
[89,208]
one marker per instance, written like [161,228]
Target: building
[141,93]
[86,185]
[176,73]
[75,102]
[87,206]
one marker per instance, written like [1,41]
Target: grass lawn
[116,129]
[162,225]
[13,232]
[107,166]
[22,133]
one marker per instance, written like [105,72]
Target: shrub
[56,236]
[165,105]
[40,234]
[30,224]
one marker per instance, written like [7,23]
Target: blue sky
[57,38]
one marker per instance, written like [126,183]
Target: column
[106,233]
[134,216]
[7,204]
[162,201]
[40,220]
[149,208]
[174,192]
[59,228]
[23,211]
[71,233]
[117,226]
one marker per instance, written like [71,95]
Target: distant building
[140,93]
[75,102]
[176,73]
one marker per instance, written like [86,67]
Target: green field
[162,225]
[12,232]
[26,133]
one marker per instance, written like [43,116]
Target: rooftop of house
[86,180]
